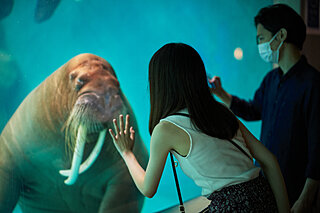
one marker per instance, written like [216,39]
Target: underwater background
[126,33]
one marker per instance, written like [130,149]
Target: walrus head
[97,90]
[97,101]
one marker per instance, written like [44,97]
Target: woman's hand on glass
[123,137]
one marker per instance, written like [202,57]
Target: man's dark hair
[278,16]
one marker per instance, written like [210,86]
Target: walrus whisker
[76,128]
[78,116]
[71,129]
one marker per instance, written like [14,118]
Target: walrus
[59,125]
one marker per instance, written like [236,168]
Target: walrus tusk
[77,156]
[92,158]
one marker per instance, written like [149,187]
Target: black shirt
[289,107]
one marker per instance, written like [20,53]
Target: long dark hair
[177,80]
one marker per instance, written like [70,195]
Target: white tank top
[211,162]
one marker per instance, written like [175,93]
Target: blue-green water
[127,33]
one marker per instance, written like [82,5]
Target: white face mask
[266,52]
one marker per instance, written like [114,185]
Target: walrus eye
[79,84]
[72,76]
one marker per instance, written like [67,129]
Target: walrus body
[33,147]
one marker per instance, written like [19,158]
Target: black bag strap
[181,207]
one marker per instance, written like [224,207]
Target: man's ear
[282,34]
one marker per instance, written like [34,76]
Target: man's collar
[294,69]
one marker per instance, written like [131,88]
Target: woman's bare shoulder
[167,128]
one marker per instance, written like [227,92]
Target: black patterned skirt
[251,196]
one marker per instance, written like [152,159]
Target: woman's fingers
[116,128]
[123,139]
[124,128]
[121,124]
[126,131]
[112,134]
[132,133]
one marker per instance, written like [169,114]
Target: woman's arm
[270,167]
[147,181]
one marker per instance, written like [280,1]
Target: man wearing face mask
[287,102]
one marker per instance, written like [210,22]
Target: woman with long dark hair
[212,146]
